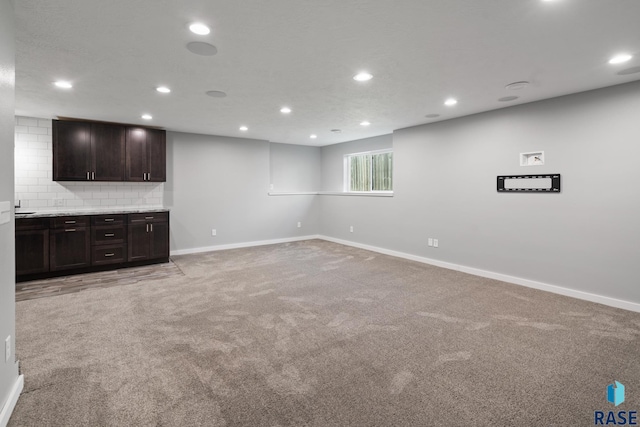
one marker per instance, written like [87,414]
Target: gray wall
[585,238]
[294,168]
[222,183]
[8,371]
[333,158]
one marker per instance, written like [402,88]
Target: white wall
[8,370]
[35,188]
[587,238]
[294,168]
[223,183]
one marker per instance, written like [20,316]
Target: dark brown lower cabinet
[70,248]
[159,240]
[138,242]
[148,236]
[32,251]
[82,243]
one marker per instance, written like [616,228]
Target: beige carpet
[318,334]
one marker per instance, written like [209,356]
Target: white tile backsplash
[35,188]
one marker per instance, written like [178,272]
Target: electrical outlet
[214,232]
[430,241]
[271,187]
[7,349]
[58,202]
[351,229]
[299,224]
[435,243]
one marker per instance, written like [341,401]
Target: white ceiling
[304,53]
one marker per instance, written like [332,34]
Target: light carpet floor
[318,334]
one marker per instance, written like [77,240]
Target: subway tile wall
[36,190]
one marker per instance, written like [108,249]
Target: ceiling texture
[304,53]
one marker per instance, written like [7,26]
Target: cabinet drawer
[107,219]
[108,234]
[23,224]
[70,222]
[148,217]
[108,254]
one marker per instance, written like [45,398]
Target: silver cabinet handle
[88,176]
[93,176]
[109,219]
[69,222]
[108,255]
[148,217]
[148,176]
[70,230]
[109,234]
[147,228]
[151,227]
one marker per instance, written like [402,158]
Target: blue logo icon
[615,393]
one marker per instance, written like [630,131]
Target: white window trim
[346,168]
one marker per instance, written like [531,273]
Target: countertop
[51,214]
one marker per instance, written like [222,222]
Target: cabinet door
[138,241]
[159,240]
[71,151]
[32,252]
[107,152]
[70,248]
[157,152]
[136,154]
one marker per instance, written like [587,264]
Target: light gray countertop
[115,211]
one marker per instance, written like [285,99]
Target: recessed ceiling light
[147,116]
[200,29]
[362,77]
[365,123]
[244,128]
[163,89]
[517,85]
[508,98]
[63,84]
[285,110]
[202,48]
[216,93]
[432,116]
[619,59]
[313,136]
[450,102]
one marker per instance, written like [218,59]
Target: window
[369,172]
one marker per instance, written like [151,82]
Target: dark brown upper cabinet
[146,155]
[71,151]
[86,151]
[94,151]
[108,151]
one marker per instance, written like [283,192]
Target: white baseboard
[242,245]
[12,399]
[601,299]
